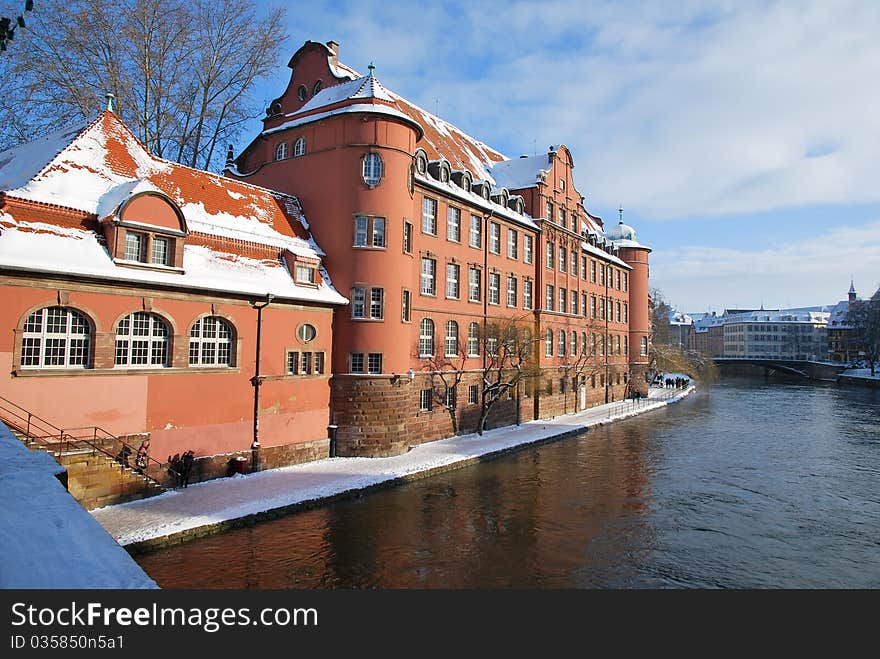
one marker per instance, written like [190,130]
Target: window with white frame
[306,332]
[511,290]
[159,252]
[583,267]
[378,232]
[494,237]
[625,313]
[475,285]
[574,302]
[528,248]
[548,343]
[56,337]
[377,303]
[450,398]
[584,344]
[429,216]
[361,226]
[142,339]
[618,309]
[573,347]
[563,300]
[453,224]
[299,147]
[358,302]
[563,258]
[625,281]
[473,393]
[425,400]
[372,169]
[135,246]
[374,363]
[356,362]
[475,235]
[527,294]
[210,342]
[550,211]
[426,338]
[453,271]
[407,237]
[429,276]
[451,343]
[281,151]
[473,340]
[584,304]
[551,299]
[406,306]
[551,250]
[305,274]
[573,260]
[560,344]
[592,271]
[593,307]
[494,288]
[512,243]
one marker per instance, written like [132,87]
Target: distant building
[844,343]
[681,330]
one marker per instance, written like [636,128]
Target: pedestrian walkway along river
[747,485]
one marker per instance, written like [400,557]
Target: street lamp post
[257,380]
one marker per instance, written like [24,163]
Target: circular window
[302,92]
[306,332]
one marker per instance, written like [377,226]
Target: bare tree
[182,72]
[447,369]
[508,358]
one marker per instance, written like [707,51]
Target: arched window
[318,86]
[281,151]
[451,344]
[548,343]
[142,340]
[372,169]
[426,338]
[56,337]
[302,92]
[561,343]
[299,147]
[210,342]
[473,344]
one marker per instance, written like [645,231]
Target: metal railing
[55,440]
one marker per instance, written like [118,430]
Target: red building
[133,286]
[433,236]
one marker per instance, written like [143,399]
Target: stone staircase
[97,472]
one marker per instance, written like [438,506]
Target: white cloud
[804,272]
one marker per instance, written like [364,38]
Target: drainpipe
[257,380]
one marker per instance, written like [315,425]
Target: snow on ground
[232,498]
[48,540]
[862,373]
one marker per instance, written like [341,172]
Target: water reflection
[750,485]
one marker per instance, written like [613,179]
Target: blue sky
[742,138]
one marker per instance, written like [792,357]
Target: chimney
[334,49]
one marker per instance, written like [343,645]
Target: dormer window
[318,85]
[281,151]
[299,147]
[421,162]
[302,92]
[444,175]
[372,169]
[147,230]
[305,274]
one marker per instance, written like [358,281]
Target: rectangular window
[625,313]
[452,285]
[602,308]
[592,271]
[618,307]
[407,237]
[618,279]
[134,246]
[361,225]
[160,250]
[551,249]
[406,306]
[551,304]
[563,258]
[494,288]
[453,224]
[573,259]
[625,344]
[473,392]
[512,243]
[319,363]
[305,363]
[511,290]
[356,362]
[593,307]
[377,306]
[601,275]
[548,344]
[474,285]
[528,248]
[475,237]
[549,211]
[429,216]
[378,232]
[494,238]
[583,267]
[374,362]
[358,302]
[584,303]
[563,300]
[562,217]
[305,274]
[292,363]
[425,399]
[643,346]
[527,294]
[429,272]
[450,398]
[574,302]
[625,281]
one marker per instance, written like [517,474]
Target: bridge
[810,370]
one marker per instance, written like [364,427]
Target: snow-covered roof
[520,173]
[102,165]
[679,318]
[777,316]
[838,314]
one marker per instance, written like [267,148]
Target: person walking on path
[187,462]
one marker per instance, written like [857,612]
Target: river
[748,484]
